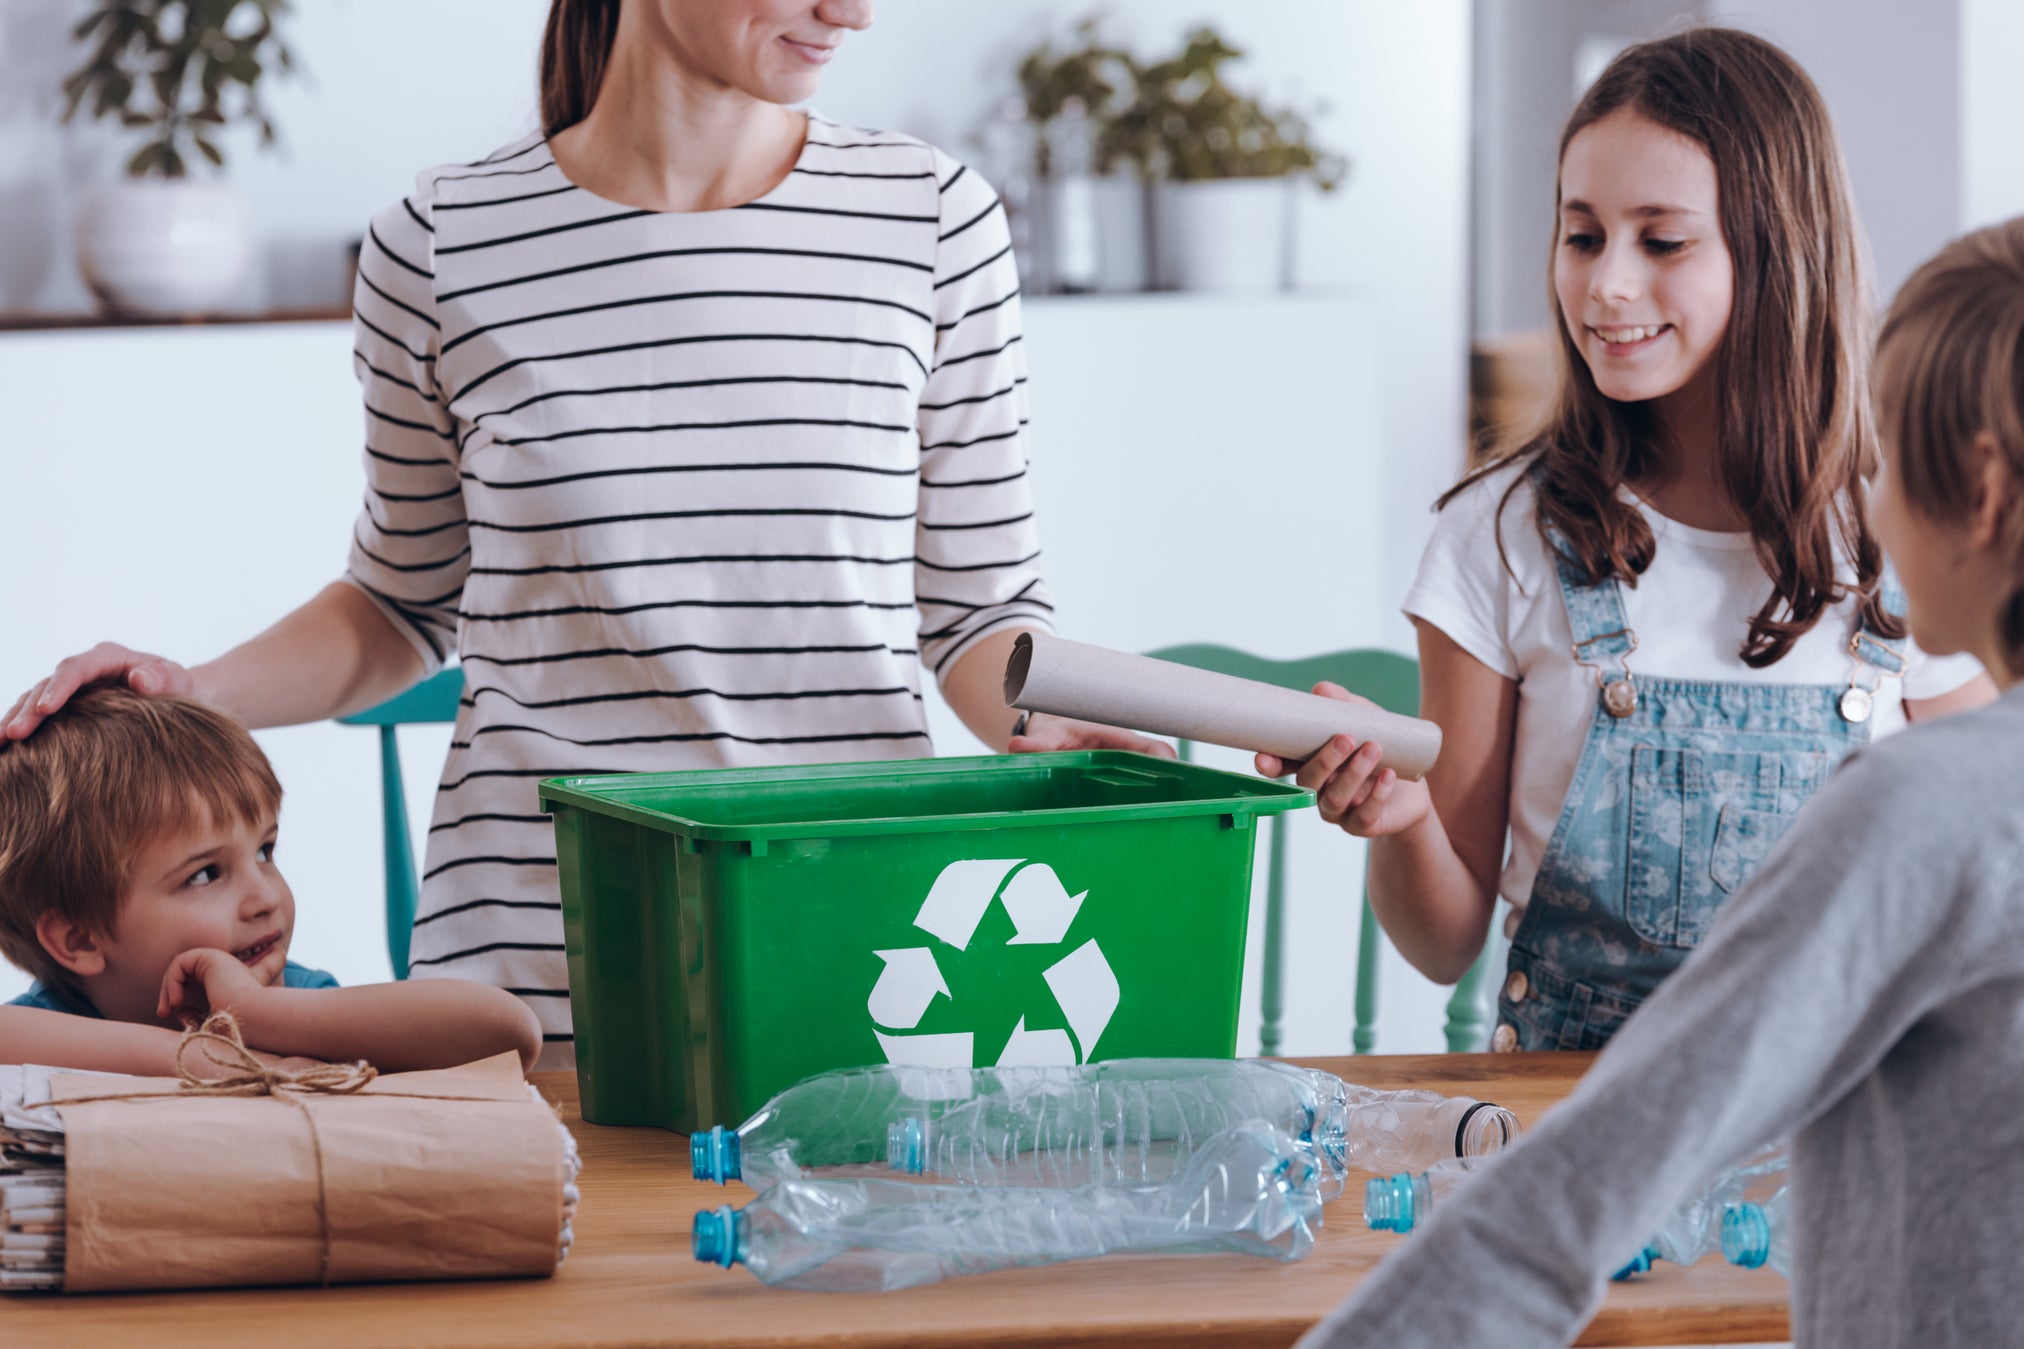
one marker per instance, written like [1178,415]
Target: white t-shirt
[1690,610]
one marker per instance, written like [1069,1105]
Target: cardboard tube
[1068,679]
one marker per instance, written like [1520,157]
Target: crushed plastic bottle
[1694,1228]
[1755,1235]
[1140,1119]
[1252,1189]
[1124,1120]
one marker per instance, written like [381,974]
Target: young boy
[1865,990]
[138,886]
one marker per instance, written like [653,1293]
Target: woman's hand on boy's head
[1351,786]
[203,981]
[154,676]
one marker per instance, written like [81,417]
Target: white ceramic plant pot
[1231,235]
[164,246]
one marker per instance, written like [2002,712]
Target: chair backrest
[1392,682]
[1386,678]
[435,699]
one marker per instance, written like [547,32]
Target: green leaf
[210,151]
[172,163]
[209,113]
[145,161]
[128,117]
[83,30]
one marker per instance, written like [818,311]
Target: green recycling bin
[732,931]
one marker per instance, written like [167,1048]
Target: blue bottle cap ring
[713,1238]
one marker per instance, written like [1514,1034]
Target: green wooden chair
[433,700]
[1392,682]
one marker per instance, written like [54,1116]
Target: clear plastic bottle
[1694,1229]
[1402,1202]
[1122,1120]
[1755,1235]
[1139,1119]
[1252,1189]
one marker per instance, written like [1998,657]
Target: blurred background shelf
[34,323]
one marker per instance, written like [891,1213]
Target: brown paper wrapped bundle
[337,1175]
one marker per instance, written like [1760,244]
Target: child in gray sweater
[1864,994]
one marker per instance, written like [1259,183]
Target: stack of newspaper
[31,1180]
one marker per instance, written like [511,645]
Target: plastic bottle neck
[1746,1235]
[1642,1264]
[1484,1129]
[718,1236]
[716,1155]
[906,1146]
[1394,1203]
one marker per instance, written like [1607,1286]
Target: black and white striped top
[682,490]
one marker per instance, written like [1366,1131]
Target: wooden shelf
[82,322]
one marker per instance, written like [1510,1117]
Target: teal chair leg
[1468,1023]
[1364,1038]
[402,887]
[1274,964]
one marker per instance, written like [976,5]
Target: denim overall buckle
[1875,659]
[1619,689]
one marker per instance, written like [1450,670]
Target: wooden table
[631,1281]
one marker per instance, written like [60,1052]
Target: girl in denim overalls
[1650,630]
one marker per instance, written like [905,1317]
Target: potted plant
[1091,209]
[175,73]
[1226,164]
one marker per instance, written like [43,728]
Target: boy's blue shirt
[53,999]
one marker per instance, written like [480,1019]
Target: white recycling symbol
[1041,910]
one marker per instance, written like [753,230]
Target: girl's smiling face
[1641,271]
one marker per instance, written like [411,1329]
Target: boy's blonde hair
[99,781]
[1950,368]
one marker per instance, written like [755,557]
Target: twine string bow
[247,1075]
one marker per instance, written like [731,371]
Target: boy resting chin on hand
[138,885]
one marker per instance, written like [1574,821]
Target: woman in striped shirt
[694,427]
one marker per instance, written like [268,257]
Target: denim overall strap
[1681,789]
[1603,640]
[1873,656]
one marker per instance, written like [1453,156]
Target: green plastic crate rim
[720,804]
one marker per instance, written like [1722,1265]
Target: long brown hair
[575,49]
[1794,428]
[1950,369]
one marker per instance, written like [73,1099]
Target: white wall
[1890,74]
[1992,112]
